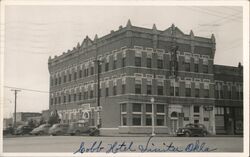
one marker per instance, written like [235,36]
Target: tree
[31,123]
[54,118]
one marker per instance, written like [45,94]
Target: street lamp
[153,119]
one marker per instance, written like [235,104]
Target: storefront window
[159,120]
[148,120]
[160,108]
[136,119]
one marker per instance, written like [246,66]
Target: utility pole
[15,92]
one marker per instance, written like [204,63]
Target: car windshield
[20,127]
[55,126]
[189,126]
[43,125]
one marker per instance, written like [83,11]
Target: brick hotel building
[134,67]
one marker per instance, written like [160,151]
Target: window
[160,90]
[159,63]
[80,96]
[188,92]
[136,107]
[51,101]
[205,68]
[123,114]
[138,61]
[206,93]
[123,88]
[137,88]
[159,120]
[149,64]
[75,75]
[136,119]
[160,108]
[60,79]
[107,91]
[55,81]
[148,120]
[69,77]
[187,66]
[114,64]
[124,119]
[107,66]
[80,73]
[55,100]
[114,90]
[149,108]
[196,109]
[74,97]
[123,61]
[176,91]
[91,94]
[86,95]
[229,94]
[86,72]
[197,92]
[69,98]
[219,110]
[51,81]
[92,70]
[149,89]
[221,93]
[196,68]
[172,91]
[64,78]
[123,107]
[64,99]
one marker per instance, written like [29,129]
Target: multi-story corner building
[228,99]
[135,66]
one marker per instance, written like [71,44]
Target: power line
[32,90]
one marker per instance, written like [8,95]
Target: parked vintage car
[8,131]
[59,129]
[41,130]
[23,129]
[192,130]
[78,128]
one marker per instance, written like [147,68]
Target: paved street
[72,143]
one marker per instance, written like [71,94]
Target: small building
[26,116]
[228,99]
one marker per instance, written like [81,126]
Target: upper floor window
[149,63]
[159,63]
[138,61]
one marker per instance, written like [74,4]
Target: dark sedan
[192,130]
[23,129]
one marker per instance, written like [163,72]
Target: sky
[33,33]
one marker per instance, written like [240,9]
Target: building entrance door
[174,122]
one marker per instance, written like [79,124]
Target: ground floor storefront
[229,120]
[123,116]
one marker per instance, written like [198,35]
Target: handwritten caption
[149,146]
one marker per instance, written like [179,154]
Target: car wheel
[41,133]
[204,134]
[58,133]
[187,134]
[77,132]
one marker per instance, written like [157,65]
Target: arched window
[174,115]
